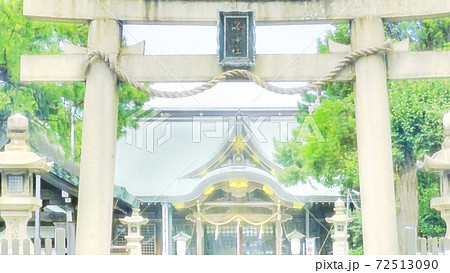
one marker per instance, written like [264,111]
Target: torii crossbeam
[101,98]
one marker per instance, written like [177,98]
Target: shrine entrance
[254,240]
[239,217]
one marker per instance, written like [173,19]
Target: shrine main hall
[207,174]
[211,174]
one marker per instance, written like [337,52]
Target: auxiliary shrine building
[208,175]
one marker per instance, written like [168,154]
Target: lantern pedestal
[16,211]
[134,244]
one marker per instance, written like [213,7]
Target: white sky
[166,40]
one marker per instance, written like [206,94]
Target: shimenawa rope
[236,73]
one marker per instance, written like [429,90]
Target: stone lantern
[134,237]
[295,238]
[17,166]
[440,162]
[340,236]
[181,240]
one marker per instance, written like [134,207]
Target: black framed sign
[236,37]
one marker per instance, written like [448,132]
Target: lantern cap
[17,154]
[339,203]
[340,215]
[17,123]
[135,218]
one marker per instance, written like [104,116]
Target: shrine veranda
[370,73]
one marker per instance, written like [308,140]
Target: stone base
[340,248]
[134,244]
[16,228]
[340,244]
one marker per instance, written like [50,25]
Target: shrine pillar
[166,228]
[307,223]
[278,233]
[374,141]
[199,231]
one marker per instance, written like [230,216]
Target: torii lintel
[205,12]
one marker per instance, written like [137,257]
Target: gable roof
[240,145]
[175,156]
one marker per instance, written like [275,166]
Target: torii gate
[101,98]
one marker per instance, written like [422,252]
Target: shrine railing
[433,246]
[414,245]
[56,246]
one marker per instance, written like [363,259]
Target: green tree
[330,162]
[416,111]
[47,104]
[417,108]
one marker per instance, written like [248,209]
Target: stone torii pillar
[372,111]
[374,146]
[96,186]
[98,153]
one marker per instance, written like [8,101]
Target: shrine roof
[64,173]
[185,142]
[163,159]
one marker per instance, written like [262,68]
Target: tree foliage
[49,102]
[329,161]
[424,35]
[417,107]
